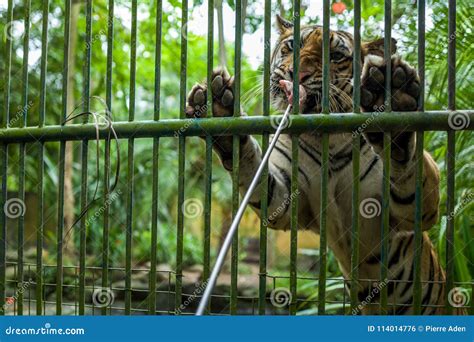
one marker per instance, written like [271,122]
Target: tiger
[405,92]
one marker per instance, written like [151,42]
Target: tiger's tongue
[287,87]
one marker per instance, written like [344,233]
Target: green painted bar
[40,187]
[181,158]
[8,67]
[451,154]
[355,161]
[294,225]
[386,160]
[3,227]
[294,160]
[471,309]
[296,56]
[334,123]
[385,226]
[262,282]
[417,287]
[84,162]
[355,222]
[324,166]
[417,291]
[156,150]
[22,161]
[106,187]
[129,228]
[62,155]
[208,167]
[236,156]
[39,231]
[130,166]
[388,53]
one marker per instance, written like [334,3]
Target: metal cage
[32,300]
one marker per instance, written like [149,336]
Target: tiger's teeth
[287,87]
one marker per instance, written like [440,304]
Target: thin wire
[238,216]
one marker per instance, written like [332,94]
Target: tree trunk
[220,28]
[69,158]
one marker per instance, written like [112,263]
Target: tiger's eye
[337,56]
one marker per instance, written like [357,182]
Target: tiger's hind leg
[405,91]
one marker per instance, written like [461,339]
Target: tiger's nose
[303,74]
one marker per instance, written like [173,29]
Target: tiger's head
[341,45]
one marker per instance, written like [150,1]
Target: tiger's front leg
[405,91]
[250,152]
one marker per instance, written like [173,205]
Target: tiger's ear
[282,24]
[376,47]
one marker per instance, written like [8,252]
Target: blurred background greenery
[404,30]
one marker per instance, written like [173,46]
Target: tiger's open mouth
[287,87]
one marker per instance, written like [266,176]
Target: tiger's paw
[222,96]
[405,92]
[405,85]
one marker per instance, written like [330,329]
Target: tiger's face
[310,75]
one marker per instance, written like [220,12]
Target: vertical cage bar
[208,167]
[130,172]
[385,228]
[62,155]
[388,54]
[386,157]
[451,154]
[3,226]
[417,291]
[156,150]
[4,165]
[22,163]
[84,162]
[181,157]
[108,102]
[262,289]
[324,167]
[8,66]
[40,188]
[356,62]
[294,159]
[236,156]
